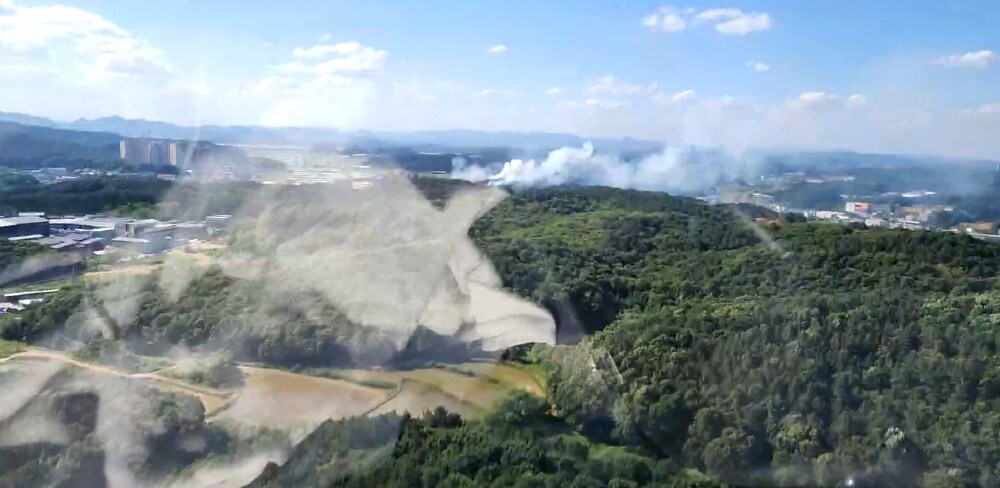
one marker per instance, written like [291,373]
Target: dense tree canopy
[777,353]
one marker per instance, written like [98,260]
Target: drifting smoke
[37,267]
[384,257]
[681,170]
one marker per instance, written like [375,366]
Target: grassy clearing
[9,348]
[351,376]
[417,398]
[528,378]
[467,387]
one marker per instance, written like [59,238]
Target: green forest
[699,347]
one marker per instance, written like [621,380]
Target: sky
[886,76]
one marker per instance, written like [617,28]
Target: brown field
[472,385]
[417,397]
[284,400]
[513,376]
[279,399]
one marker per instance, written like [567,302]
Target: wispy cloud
[449,86]
[343,57]
[108,50]
[735,22]
[665,19]
[497,49]
[758,66]
[819,99]
[990,109]
[677,98]
[726,21]
[972,59]
[611,86]
[604,104]
[497,92]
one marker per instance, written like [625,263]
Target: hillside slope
[789,355]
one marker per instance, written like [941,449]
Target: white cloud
[856,101]
[610,86]
[604,104]
[554,91]
[816,99]
[676,99]
[735,22]
[343,57]
[495,92]
[972,59]
[988,109]
[497,49]
[666,19]
[824,100]
[46,34]
[758,66]
[683,96]
[326,85]
[727,21]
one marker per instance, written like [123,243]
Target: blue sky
[888,76]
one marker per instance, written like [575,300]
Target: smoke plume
[676,169]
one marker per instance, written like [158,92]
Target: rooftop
[133,240]
[10,221]
[25,238]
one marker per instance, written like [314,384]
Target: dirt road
[212,398]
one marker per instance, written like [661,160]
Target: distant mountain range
[105,130]
[314,135]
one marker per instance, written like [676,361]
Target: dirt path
[212,398]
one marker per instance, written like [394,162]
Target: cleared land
[279,399]
[212,398]
[417,397]
[133,269]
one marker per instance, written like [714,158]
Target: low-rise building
[23,226]
[857,207]
[143,245]
[978,227]
[216,223]
[919,213]
[876,222]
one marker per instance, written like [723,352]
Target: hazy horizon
[889,77]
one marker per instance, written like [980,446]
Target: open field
[213,399]
[508,374]
[468,387]
[417,397]
[279,399]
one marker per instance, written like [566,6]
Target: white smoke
[677,169]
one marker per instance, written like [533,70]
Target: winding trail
[208,396]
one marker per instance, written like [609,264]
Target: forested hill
[30,147]
[700,346]
[784,354]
